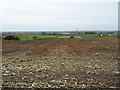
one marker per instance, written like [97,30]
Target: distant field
[29,37]
[25,38]
[94,36]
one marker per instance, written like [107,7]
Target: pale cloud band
[56,13]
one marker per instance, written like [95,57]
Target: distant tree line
[45,33]
[90,33]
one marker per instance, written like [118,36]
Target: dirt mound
[62,51]
[59,47]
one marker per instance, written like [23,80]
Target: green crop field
[45,35]
[34,37]
[27,38]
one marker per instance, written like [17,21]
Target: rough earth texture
[61,63]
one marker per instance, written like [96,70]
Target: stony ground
[61,63]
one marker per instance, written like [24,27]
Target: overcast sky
[54,15]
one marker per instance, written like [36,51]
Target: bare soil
[61,63]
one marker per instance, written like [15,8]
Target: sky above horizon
[59,15]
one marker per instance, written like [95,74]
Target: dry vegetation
[67,63]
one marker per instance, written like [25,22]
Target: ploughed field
[61,63]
